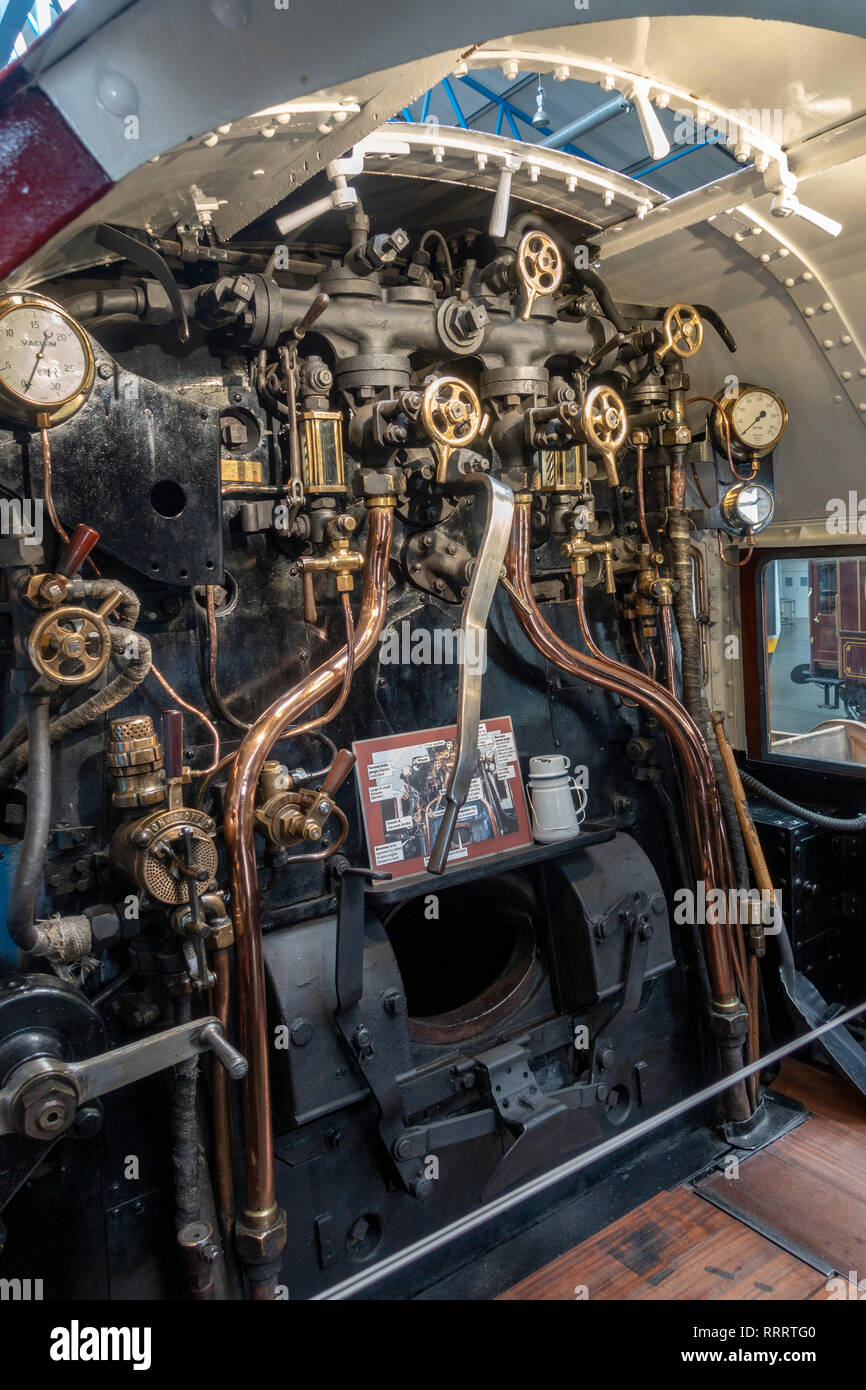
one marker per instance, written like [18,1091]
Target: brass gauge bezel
[741,448]
[15,406]
[729,507]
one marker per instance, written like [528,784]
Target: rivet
[117,94]
[809,312]
[807,276]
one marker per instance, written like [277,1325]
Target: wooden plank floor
[679,1246]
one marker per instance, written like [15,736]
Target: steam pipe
[261,1230]
[677,723]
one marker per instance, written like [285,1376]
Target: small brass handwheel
[684,332]
[450,416]
[604,424]
[70,646]
[539,266]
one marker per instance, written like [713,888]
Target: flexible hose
[850,826]
[123,685]
[20,919]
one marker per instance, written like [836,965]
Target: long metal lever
[473,627]
[78,1082]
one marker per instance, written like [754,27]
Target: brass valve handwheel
[684,332]
[605,424]
[70,646]
[539,266]
[450,416]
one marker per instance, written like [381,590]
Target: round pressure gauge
[757,418]
[46,362]
[748,508]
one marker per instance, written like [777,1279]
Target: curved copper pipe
[704,811]
[261,1213]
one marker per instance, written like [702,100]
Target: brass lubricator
[288,817]
[684,332]
[539,268]
[338,560]
[169,854]
[135,763]
[451,417]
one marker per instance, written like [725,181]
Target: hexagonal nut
[676,434]
[46,590]
[261,1245]
[47,1106]
[105,929]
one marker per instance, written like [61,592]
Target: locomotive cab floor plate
[791,1220]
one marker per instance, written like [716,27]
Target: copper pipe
[641,500]
[197,714]
[704,811]
[669,649]
[261,1218]
[221,1093]
[311,724]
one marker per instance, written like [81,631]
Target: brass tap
[338,560]
[578,550]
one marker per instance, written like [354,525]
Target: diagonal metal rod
[411,1253]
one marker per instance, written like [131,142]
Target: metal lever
[42,1097]
[76,550]
[349,967]
[315,311]
[473,626]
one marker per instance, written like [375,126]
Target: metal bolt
[301,1031]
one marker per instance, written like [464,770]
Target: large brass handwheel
[684,331]
[450,417]
[70,646]
[539,266]
[605,422]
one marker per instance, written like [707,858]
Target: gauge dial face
[758,419]
[45,361]
[751,506]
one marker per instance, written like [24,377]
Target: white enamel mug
[551,792]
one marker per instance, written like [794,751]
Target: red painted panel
[47,177]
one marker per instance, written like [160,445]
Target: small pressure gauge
[757,419]
[46,361]
[748,508]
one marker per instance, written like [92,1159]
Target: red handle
[343,764]
[76,550]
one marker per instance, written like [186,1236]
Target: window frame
[753,636]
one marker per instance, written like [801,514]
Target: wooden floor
[808,1189]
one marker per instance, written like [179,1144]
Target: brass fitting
[339,560]
[260,1236]
[578,550]
[45,590]
[135,763]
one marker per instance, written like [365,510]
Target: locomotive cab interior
[433,620]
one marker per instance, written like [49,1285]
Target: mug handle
[581,798]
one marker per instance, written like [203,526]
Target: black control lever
[349,973]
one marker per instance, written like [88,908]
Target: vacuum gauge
[46,361]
